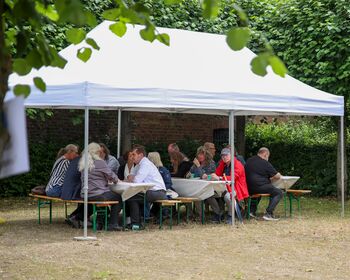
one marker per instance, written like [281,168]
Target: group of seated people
[67,179]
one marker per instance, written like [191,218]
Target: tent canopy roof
[198,73]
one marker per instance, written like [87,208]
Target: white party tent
[197,73]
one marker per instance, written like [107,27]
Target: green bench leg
[290,205]
[65,210]
[124,216]
[171,217]
[94,217]
[187,213]
[299,207]
[50,212]
[178,213]
[203,215]
[161,216]
[39,205]
[285,204]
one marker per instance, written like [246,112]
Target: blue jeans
[55,191]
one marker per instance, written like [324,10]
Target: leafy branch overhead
[27,47]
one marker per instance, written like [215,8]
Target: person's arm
[197,171]
[141,173]
[102,166]
[276,177]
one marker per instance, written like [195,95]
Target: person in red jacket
[223,172]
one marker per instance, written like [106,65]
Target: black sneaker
[73,222]
[269,217]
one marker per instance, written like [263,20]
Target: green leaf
[259,64]
[34,59]
[111,14]
[278,66]
[21,66]
[92,43]
[172,2]
[57,60]
[49,11]
[40,84]
[75,35]
[21,90]
[147,34]
[210,8]
[84,54]
[118,28]
[238,37]
[90,19]
[164,38]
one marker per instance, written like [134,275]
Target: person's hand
[214,177]
[204,176]
[196,162]
[130,178]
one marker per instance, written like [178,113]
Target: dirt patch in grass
[313,246]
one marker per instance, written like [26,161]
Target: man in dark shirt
[260,173]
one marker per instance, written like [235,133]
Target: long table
[127,190]
[198,188]
[285,182]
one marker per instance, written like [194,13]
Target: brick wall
[145,127]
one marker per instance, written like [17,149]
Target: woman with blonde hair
[154,157]
[99,174]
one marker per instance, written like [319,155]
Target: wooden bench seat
[98,207]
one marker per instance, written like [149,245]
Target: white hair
[93,154]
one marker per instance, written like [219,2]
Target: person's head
[204,155]
[127,156]
[226,155]
[104,151]
[71,151]
[154,157]
[264,153]
[210,147]
[138,152]
[176,158]
[173,147]
[94,153]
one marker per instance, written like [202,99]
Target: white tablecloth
[197,188]
[285,182]
[127,190]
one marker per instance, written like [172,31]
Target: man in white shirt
[145,172]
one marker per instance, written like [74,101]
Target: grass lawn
[313,246]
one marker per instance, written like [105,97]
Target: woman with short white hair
[99,174]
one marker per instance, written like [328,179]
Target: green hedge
[298,148]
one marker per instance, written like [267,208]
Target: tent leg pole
[86,177]
[119,130]
[231,140]
[342,166]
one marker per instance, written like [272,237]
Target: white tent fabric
[198,73]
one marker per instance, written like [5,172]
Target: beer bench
[98,207]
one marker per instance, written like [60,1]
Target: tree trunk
[345,155]
[240,136]
[126,131]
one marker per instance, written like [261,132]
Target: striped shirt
[58,173]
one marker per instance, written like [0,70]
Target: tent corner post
[231,142]
[342,166]
[119,131]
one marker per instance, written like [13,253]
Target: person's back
[166,177]
[258,172]
[98,178]
[72,183]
